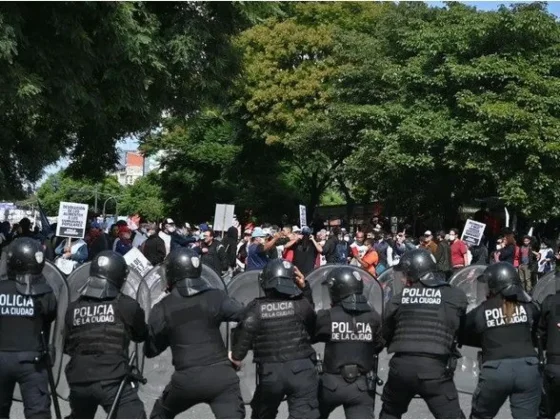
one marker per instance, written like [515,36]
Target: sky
[132,144]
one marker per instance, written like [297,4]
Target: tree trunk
[350,202]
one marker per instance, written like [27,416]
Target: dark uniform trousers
[550,404]
[424,376]
[33,382]
[296,379]
[519,379]
[335,391]
[216,385]
[85,398]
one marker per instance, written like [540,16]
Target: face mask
[498,247]
[452,237]
[347,238]
[171,229]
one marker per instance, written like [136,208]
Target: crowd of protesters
[251,247]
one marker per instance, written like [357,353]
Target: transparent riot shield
[158,370]
[546,286]
[134,287]
[466,279]
[58,283]
[244,288]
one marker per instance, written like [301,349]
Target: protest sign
[302,216]
[135,259]
[473,232]
[223,217]
[72,219]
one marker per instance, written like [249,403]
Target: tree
[77,77]
[451,104]
[144,197]
[62,187]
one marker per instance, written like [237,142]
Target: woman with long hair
[504,327]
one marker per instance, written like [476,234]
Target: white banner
[72,219]
[135,259]
[223,217]
[302,216]
[473,232]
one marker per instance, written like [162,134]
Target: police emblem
[195,262]
[39,257]
[357,275]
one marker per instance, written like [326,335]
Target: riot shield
[158,371]
[392,282]
[244,288]
[134,287]
[546,286]
[466,279]
[56,340]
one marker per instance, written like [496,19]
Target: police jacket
[22,318]
[548,330]
[278,329]
[488,326]
[98,334]
[215,257]
[352,338]
[191,327]
[424,320]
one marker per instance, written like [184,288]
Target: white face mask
[171,229]
[498,247]
[347,238]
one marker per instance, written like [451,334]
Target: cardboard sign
[473,232]
[72,219]
[135,259]
[223,217]
[302,216]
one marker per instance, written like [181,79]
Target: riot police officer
[27,308]
[351,330]
[549,336]
[420,327]
[99,327]
[188,319]
[504,326]
[279,328]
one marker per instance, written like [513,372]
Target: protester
[370,259]
[305,249]
[230,244]
[154,247]
[459,257]
[96,240]
[443,255]
[428,243]
[213,253]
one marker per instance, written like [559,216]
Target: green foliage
[144,197]
[61,187]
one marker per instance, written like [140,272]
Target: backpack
[341,252]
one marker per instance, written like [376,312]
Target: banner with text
[72,219]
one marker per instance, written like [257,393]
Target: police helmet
[418,265]
[26,256]
[279,275]
[502,278]
[183,270]
[346,287]
[107,274]
[25,263]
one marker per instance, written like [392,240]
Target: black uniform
[549,333]
[27,307]
[353,339]
[504,327]
[99,327]
[420,328]
[203,372]
[279,328]
[188,320]
[98,337]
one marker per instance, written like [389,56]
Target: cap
[258,233]
[296,229]
[203,227]
[428,233]
[168,221]
[188,225]
[267,231]
[306,230]
[95,225]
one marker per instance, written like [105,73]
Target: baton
[128,376]
[45,356]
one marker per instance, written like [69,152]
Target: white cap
[168,221]
[428,233]
[296,229]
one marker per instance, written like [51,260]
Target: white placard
[473,232]
[223,217]
[72,219]
[302,216]
[135,259]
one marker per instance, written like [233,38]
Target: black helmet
[419,265]
[183,270]
[279,275]
[347,287]
[107,274]
[502,278]
[25,264]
